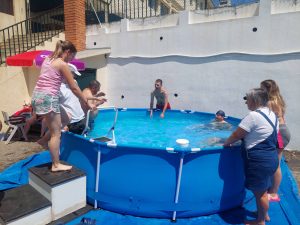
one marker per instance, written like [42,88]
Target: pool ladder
[111,130]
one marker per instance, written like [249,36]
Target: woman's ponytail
[62,46]
[58,50]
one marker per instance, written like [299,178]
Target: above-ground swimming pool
[145,173]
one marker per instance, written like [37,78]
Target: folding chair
[14,123]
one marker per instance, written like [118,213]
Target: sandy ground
[18,150]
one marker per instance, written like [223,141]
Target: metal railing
[28,34]
[111,130]
[100,7]
[115,10]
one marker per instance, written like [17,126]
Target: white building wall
[209,63]
[19,14]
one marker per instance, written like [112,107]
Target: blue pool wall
[142,181]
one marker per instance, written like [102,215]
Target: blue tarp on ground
[285,212]
[17,174]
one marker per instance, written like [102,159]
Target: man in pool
[161,96]
[219,121]
[93,95]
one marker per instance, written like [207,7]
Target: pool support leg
[178,184]
[97,176]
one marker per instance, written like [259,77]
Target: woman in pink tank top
[45,97]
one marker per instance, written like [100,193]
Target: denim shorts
[43,103]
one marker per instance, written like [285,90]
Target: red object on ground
[22,59]
[27,109]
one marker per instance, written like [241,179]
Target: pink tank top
[49,80]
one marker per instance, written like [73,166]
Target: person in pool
[93,95]
[161,97]
[219,121]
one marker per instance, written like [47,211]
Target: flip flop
[274,198]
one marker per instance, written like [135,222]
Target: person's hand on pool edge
[93,108]
[162,115]
[237,135]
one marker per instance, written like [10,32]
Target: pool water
[136,128]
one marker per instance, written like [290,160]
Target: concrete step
[65,190]
[29,38]
[72,215]
[24,206]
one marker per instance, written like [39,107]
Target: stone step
[33,37]
[24,206]
[20,42]
[65,190]
[72,216]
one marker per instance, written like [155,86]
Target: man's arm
[151,103]
[97,99]
[88,94]
[100,94]
[162,115]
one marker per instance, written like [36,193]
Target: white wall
[19,14]
[204,84]
[209,63]
[13,89]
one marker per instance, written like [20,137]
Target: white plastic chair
[13,125]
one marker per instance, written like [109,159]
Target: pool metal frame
[112,144]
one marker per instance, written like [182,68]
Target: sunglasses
[245,98]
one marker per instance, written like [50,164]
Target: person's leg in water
[277,177]
[53,121]
[262,204]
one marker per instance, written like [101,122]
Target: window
[6,6]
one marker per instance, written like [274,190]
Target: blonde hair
[276,101]
[61,47]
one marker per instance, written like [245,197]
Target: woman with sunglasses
[258,132]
